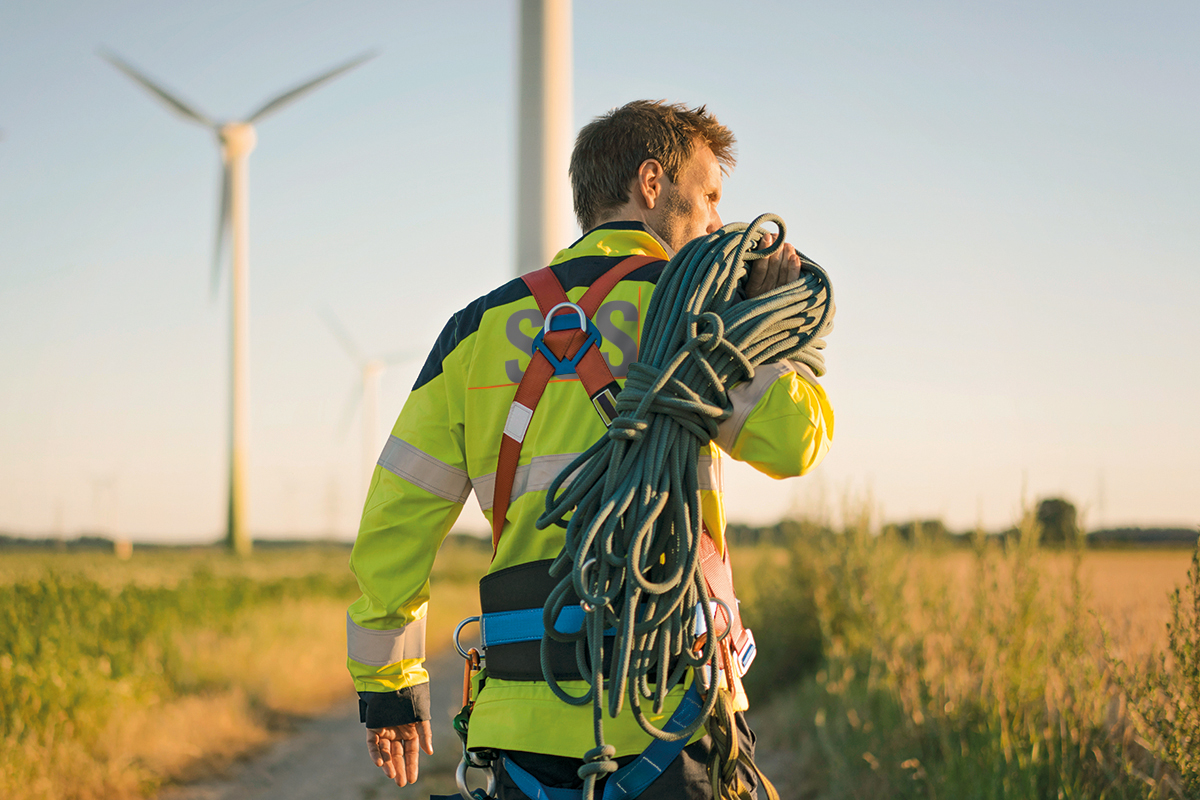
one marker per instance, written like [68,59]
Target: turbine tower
[543,132]
[372,370]
[236,139]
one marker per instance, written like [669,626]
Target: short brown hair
[611,148]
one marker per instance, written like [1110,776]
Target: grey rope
[632,511]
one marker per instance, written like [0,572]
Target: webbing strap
[592,370]
[632,779]
[719,579]
[525,625]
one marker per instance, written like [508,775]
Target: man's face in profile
[689,207]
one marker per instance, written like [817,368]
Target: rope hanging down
[633,539]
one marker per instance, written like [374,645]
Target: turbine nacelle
[237,139]
[373,369]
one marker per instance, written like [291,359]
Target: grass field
[885,670]
[116,677]
[901,671]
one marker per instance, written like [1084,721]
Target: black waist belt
[525,588]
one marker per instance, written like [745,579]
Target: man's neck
[636,218]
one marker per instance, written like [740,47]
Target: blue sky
[1005,196]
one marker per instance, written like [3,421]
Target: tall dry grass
[117,677]
[948,674]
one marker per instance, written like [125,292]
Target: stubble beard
[672,225]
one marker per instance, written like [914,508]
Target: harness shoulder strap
[591,368]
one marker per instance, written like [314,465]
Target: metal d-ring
[458,630]
[728,618]
[582,317]
[460,778]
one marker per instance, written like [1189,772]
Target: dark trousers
[685,779]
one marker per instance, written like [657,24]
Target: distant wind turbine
[236,140]
[372,370]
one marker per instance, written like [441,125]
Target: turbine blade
[292,94]
[351,406]
[344,338]
[222,230]
[399,357]
[174,102]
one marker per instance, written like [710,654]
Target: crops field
[119,676]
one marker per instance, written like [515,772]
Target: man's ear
[652,183]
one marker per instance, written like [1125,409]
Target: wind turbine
[236,139]
[544,136]
[372,370]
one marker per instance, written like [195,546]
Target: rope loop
[709,331]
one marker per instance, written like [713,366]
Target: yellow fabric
[789,431]
[524,715]
[610,242]
[457,416]
[409,672]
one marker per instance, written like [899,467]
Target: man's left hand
[394,749]
[778,269]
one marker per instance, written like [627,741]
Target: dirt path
[326,758]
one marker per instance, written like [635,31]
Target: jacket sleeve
[417,492]
[782,422]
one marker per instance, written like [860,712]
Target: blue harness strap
[525,625]
[632,779]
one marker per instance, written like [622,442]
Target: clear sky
[1006,196]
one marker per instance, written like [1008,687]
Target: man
[646,179]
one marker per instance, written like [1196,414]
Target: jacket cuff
[401,707]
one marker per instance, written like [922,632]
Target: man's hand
[394,749]
[778,269]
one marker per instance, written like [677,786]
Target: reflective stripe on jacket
[445,446]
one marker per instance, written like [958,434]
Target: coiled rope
[632,511]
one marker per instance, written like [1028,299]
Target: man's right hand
[778,269]
[394,749]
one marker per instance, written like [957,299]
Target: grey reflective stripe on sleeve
[421,469]
[536,476]
[746,395]
[380,648]
[540,472]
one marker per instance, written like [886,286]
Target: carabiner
[469,669]
[460,776]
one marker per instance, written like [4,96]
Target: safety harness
[568,343]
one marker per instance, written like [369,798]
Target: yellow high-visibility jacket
[446,443]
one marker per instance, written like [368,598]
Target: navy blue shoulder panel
[464,323]
[577,272]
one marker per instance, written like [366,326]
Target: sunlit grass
[116,677]
[960,674]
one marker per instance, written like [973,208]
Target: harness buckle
[566,322]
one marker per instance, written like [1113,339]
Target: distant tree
[925,531]
[1058,521]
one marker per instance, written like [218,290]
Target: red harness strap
[592,370]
